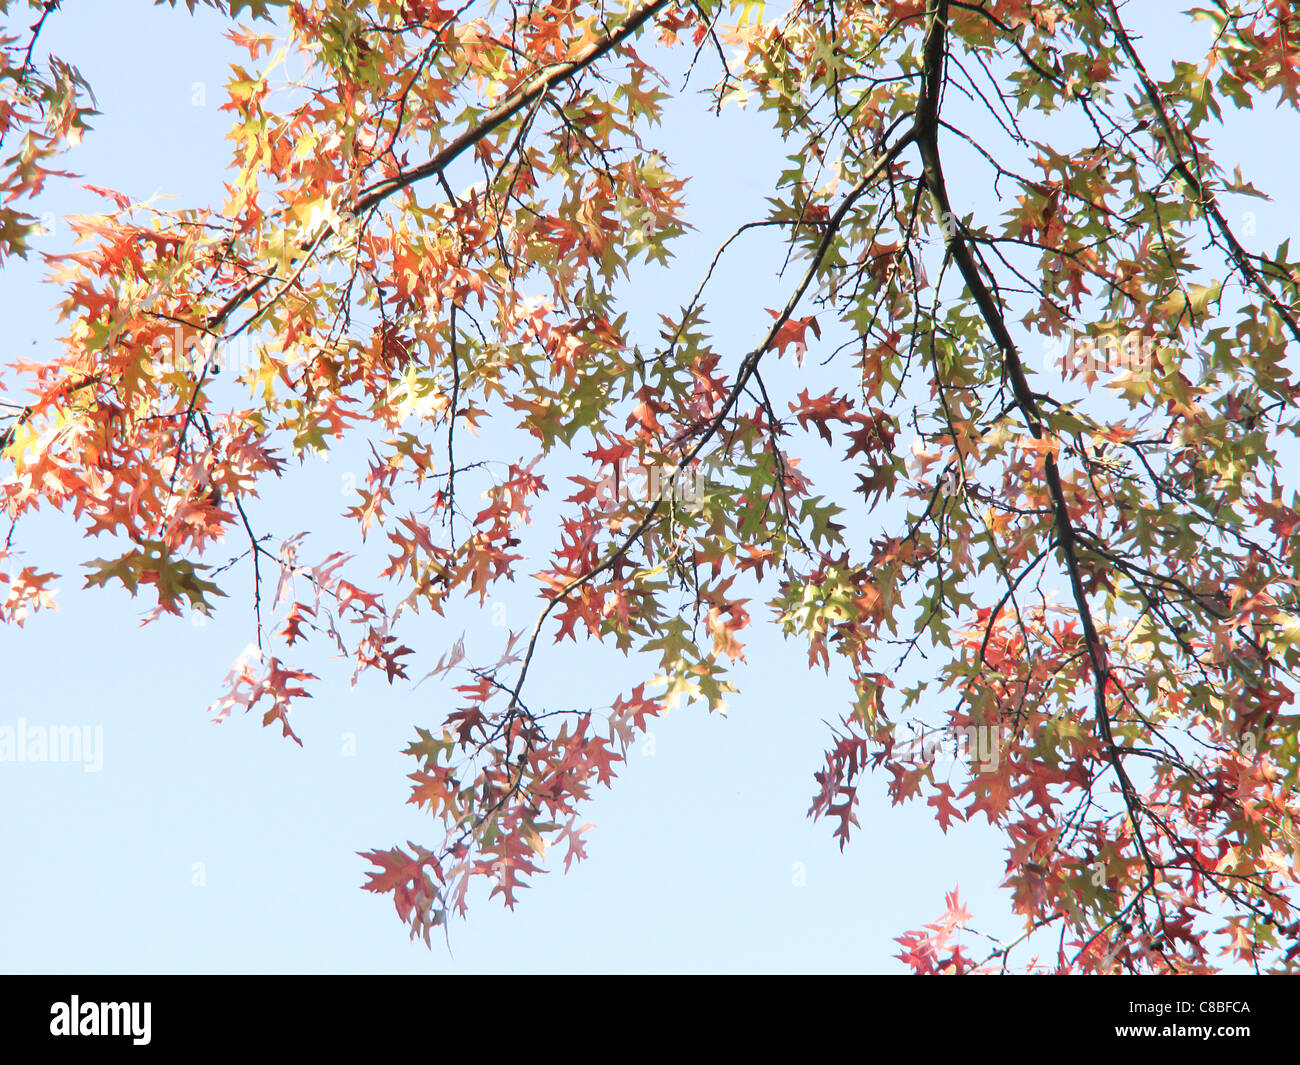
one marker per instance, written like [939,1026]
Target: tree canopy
[432,250]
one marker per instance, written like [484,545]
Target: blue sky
[224,848]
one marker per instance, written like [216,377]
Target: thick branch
[926,129]
[497,116]
[748,367]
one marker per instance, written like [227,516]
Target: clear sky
[224,848]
